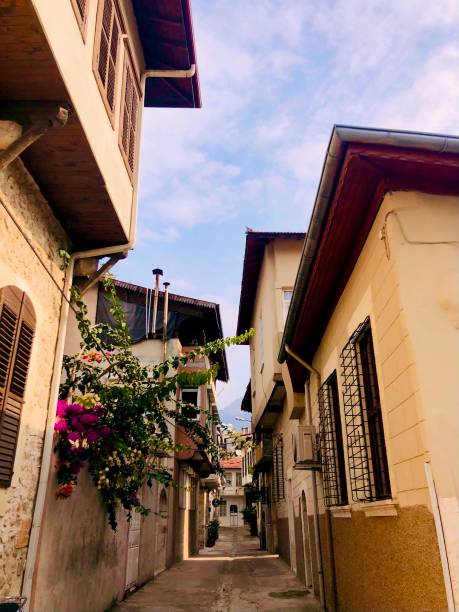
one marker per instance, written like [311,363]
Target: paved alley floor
[234,576]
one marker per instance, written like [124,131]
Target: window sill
[340,511]
[380,508]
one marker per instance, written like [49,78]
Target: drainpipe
[170,74]
[319,559]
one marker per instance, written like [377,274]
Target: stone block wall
[20,266]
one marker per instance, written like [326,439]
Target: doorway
[132,568]
[233,515]
[161,533]
[306,541]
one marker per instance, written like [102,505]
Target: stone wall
[19,266]
[389,563]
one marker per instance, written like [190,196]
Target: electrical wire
[384,236]
[37,255]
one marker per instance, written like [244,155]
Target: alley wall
[20,267]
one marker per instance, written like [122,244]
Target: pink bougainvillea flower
[88,418]
[73,409]
[92,436]
[61,408]
[65,490]
[61,425]
[105,431]
[76,425]
[73,436]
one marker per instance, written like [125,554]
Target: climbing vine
[116,416]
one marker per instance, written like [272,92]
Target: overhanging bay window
[108,36]
[368,466]
[129,113]
[331,444]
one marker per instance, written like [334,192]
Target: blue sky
[275,76]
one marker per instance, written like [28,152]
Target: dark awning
[166,33]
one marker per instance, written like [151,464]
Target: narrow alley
[234,576]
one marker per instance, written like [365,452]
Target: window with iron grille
[331,444]
[129,114]
[278,468]
[108,34]
[368,467]
[17,326]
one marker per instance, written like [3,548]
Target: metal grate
[365,436]
[278,468]
[331,444]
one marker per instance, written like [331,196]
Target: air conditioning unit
[305,448]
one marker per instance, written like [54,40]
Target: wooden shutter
[81,6]
[107,50]
[17,324]
[129,116]
[80,9]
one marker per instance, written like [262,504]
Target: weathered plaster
[19,266]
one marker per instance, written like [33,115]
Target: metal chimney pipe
[157,272]
[165,317]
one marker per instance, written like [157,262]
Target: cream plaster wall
[374,290]
[19,266]
[74,58]
[278,272]
[424,241]
[410,292]
[377,289]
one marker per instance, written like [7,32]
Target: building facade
[232,500]
[370,337]
[74,78]
[174,530]
[270,265]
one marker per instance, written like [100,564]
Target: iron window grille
[278,468]
[331,444]
[369,473]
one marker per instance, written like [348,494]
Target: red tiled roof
[231,463]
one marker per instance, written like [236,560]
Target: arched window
[233,509]
[17,327]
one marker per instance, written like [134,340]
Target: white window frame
[286,303]
[198,414]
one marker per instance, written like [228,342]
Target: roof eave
[340,138]
[264,238]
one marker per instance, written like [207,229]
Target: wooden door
[132,569]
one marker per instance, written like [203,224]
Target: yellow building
[74,78]
[270,264]
[371,341]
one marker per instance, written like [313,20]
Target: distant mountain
[232,410]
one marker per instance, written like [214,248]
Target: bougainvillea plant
[116,416]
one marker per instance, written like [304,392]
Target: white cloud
[275,77]
[146,234]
